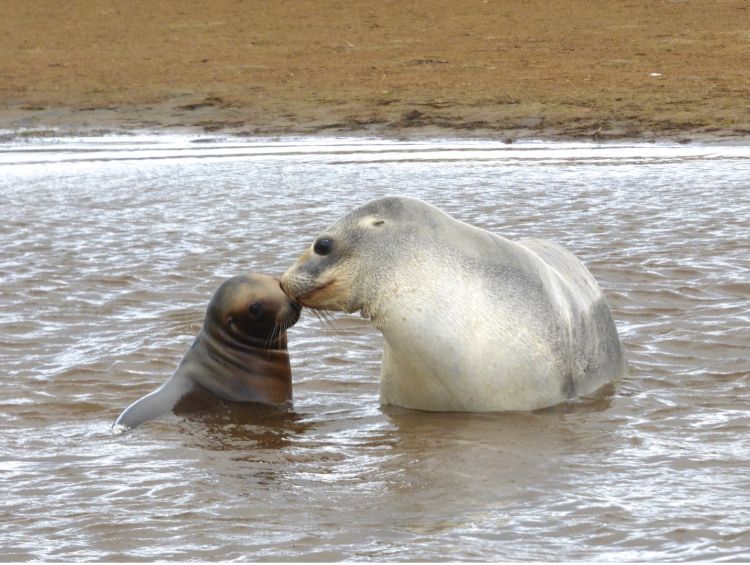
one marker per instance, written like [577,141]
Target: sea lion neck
[240,372]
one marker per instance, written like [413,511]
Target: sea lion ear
[371,222]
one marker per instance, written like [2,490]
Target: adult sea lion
[239,355]
[472,321]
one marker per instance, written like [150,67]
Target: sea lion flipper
[154,404]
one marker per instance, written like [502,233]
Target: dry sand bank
[675,69]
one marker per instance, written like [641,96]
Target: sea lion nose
[294,306]
[286,290]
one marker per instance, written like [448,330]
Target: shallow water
[111,248]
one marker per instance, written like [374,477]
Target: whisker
[277,329]
[331,320]
[272,337]
[316,313]
[324,319]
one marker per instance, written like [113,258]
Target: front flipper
[154,404]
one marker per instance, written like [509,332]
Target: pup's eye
[323,246]
[255,309]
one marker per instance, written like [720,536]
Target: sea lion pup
[239,355]
[472,321]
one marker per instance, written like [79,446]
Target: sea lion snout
[291,314]
[295,284]
[320,277]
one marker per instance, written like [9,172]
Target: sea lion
[472,321]
[239,355]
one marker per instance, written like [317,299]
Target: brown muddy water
[112,247]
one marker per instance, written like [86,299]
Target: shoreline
[204,118]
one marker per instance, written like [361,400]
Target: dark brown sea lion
[239,355]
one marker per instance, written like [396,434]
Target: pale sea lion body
[240,354]
[472,321]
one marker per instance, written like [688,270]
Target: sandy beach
[674,69]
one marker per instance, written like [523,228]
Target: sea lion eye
[255,309]
[323,246]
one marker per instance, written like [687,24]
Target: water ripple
[113,246]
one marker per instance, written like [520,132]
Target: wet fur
[227,361]
[472,321]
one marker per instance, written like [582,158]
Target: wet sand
[575,69]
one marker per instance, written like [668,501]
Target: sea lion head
[251,310]
[345,267]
